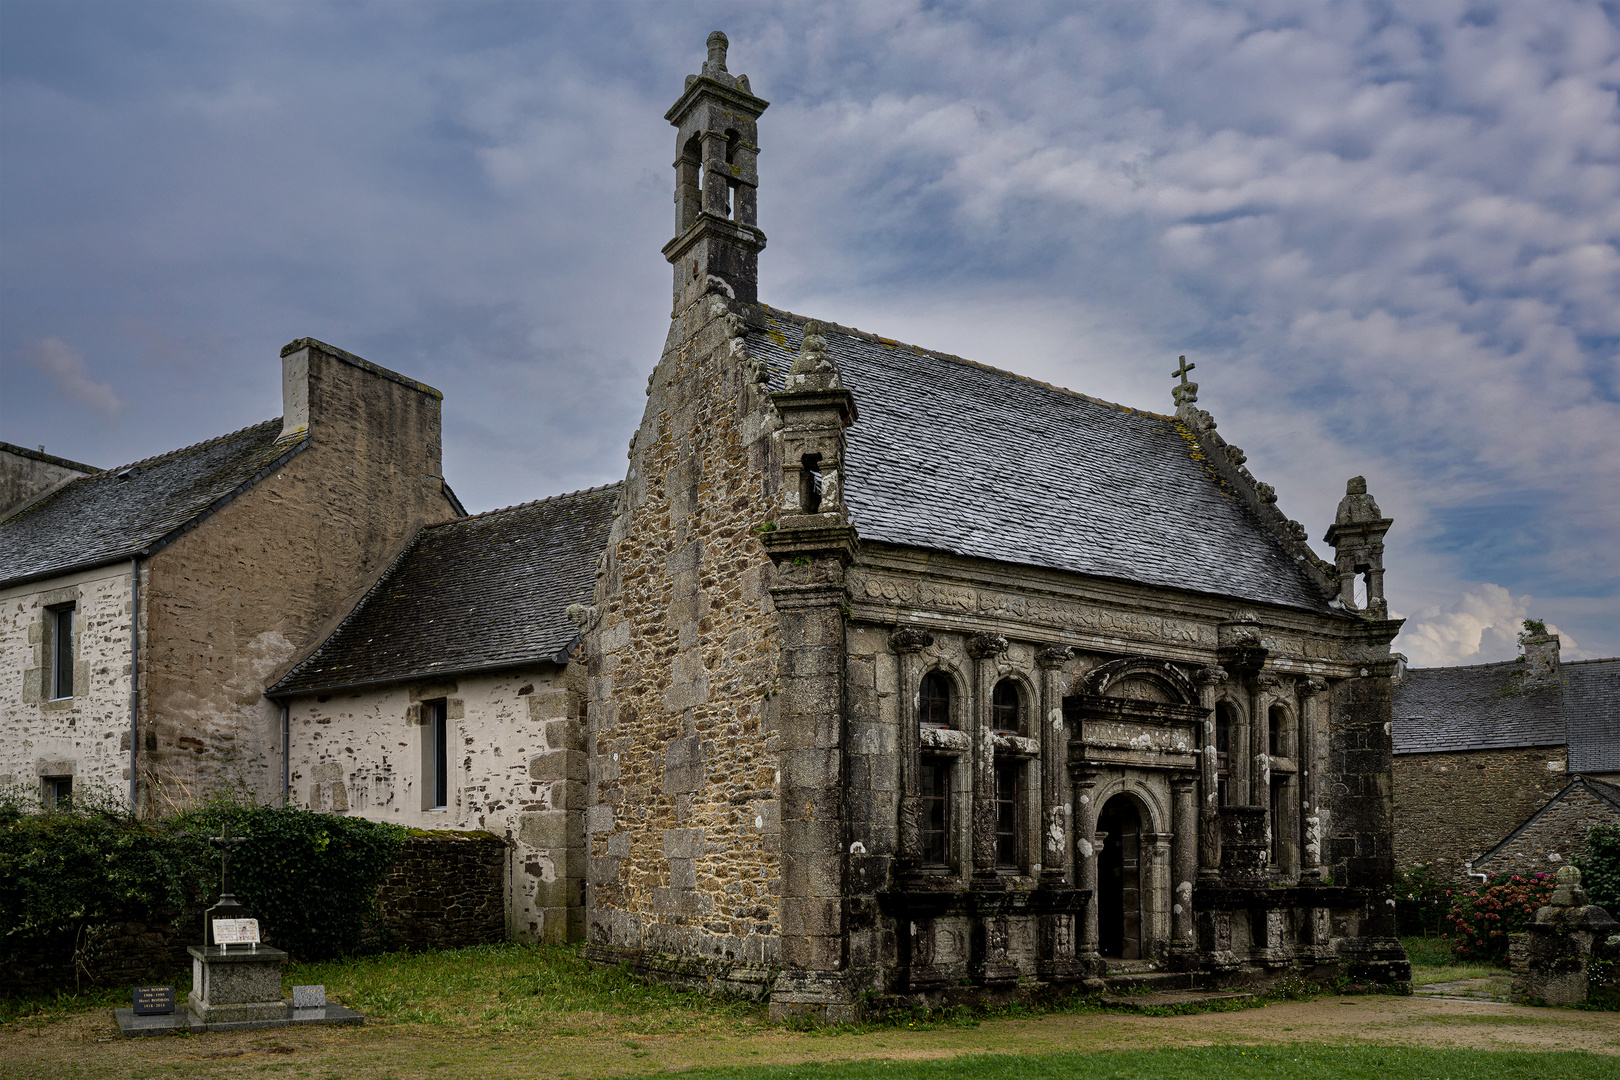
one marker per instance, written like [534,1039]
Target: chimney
[1541,660]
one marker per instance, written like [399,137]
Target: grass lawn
[515,1011]
[1432,962]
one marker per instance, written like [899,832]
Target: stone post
[1086,845]
[907,642]
[1184,859]
[811,549]
[1054,761]
[986,650]
[1310,740]
[1261,693]
[1209,680]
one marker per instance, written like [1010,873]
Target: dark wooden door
[1119,880]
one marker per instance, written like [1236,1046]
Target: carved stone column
[1209,680]
[985,649]
[1085,855]
[907,642]
[1310,740]
[1261,691]
[1183,859]
[1054,761]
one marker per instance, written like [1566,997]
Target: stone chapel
[911,680]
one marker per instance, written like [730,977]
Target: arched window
[1276,731]
[934,701]
[1223,752]
[1006,707]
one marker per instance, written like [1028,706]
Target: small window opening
[1278,791]
[436,755]
[1006,708]
[936,811]
[1276,721]
[810,497]
[934,701]
[1223,752]
[1361,592]
[1007,816]
[57,792]
[61,651]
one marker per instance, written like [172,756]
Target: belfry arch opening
[1120,879]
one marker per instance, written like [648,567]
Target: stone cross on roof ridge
[1187,392]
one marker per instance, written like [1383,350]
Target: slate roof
[133,510]
[475,593]
[1592,714]
[954,456]
[1479,707]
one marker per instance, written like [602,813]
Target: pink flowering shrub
[1480,921]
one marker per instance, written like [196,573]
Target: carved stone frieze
[1047,611]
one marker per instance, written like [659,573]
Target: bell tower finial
[717,236]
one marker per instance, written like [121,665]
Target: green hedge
[310,879]
[1600,867]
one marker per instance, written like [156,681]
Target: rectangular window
[59,622]
[1279,789]
[435,755]
[936,811]
[1007,816]
[57,793]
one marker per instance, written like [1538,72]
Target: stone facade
[517,771]
[84,735]
[1451,808]
[27,475]
[298,549]
[1556,834]
[840,769]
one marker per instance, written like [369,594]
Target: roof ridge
[1414,670]
[522,505]
[952,357]
[193,446]
[1588,660]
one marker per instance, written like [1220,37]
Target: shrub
[1480,921]
[1421,901]
[311,879]
[1600,867]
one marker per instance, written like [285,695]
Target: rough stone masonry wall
[517,771]
[1554,838]
[446,891]
[85,736]
[683,823]
[233,602]
[1450,808]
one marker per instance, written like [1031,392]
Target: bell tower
[717,238]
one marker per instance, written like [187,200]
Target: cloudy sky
[1386,233]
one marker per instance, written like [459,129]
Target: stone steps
[1145,980]
[1162,999]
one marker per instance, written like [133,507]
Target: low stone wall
[446,890]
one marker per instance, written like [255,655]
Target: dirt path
[89,1046]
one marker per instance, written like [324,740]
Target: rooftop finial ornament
[717,54]
[1187,392]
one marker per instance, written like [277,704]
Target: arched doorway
[1119,880]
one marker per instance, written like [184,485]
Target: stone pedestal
[238,985]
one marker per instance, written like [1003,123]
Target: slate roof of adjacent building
[955,456]
[1479,707]
[132,510]
[470,594]
[1592,714]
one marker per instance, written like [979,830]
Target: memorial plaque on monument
[153,1000]
[309,997]
[236,932]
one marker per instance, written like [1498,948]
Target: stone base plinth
[235,986]
[132,1026]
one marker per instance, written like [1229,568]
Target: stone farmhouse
[911,679]
[143,609]
[447,699]
[1502,768]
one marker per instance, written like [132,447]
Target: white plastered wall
[85,736]
[516,769]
